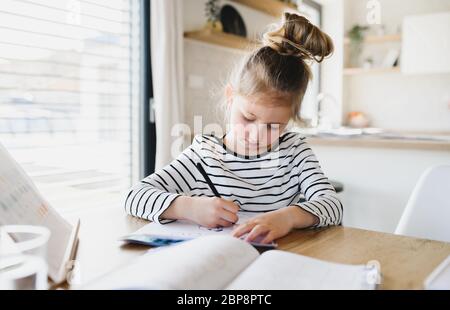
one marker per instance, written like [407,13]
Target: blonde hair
[279,67]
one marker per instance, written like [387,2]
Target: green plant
[356,34]
[212,10]
[356,37]
[290,2]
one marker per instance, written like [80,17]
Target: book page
[277,270]
[22,204]
[209,262]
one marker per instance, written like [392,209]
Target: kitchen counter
[350,137]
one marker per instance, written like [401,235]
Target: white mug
[23,263]
[23,272]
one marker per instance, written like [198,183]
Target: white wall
[393,100]
[206,67]
[377,181]
[392,11]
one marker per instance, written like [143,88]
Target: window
[69,95]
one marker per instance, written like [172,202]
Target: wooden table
[405,262]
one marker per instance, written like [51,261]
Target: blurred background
[90,92]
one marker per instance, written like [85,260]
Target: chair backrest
[427,214]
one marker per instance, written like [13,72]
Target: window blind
[69,95]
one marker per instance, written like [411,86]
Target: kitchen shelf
[220,38]
[356,71]
[271,7]
[379,39]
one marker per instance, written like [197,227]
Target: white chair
[427,214]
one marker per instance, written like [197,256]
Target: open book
[224,262]
[21,203]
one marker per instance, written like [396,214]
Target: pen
[210,183]
[208,180]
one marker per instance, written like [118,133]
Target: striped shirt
[287,174]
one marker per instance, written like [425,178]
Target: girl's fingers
[229,216]
[242,229]
[268,238]
[256,231]
[224,223]
[230,206]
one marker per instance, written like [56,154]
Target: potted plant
[212,13]
[356,37]
[291,3]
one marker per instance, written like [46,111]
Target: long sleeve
[153,195]
[321,198]
[269,182]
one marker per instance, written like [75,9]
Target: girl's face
[256,121]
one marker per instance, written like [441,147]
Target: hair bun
[298,37]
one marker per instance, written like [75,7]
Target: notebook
[154,233]
[223,262]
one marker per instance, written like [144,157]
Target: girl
[257,165]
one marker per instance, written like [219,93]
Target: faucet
[320,120]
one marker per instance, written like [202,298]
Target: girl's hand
[213,212]
[210,212]
[271,225]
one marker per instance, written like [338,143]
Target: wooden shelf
[379,39]
[271,7]
[355,71]
[220,38]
